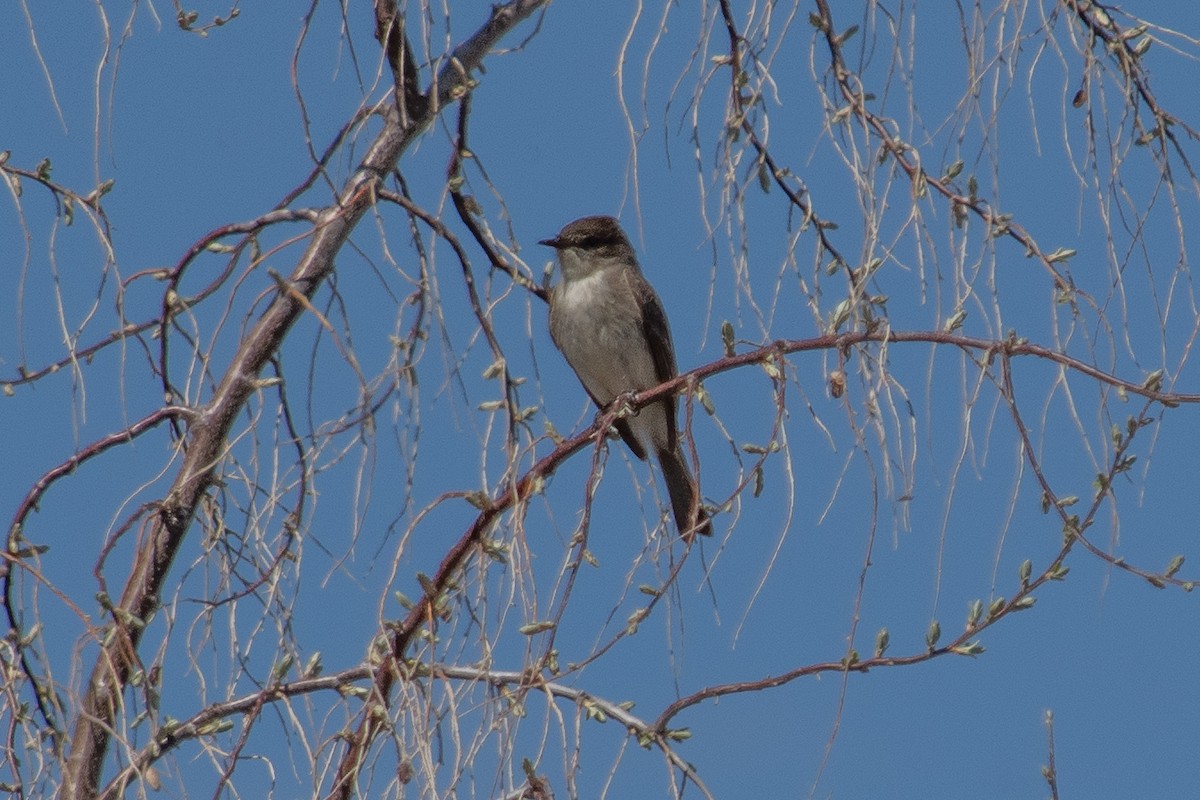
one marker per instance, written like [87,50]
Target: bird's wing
[622,426]
[658,339]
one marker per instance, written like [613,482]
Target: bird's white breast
[584,291]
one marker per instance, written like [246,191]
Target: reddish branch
[424,613]
[1074,526]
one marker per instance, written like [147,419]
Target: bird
[611,328]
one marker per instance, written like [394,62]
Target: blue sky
[202,132]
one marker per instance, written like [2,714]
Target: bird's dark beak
[555,243]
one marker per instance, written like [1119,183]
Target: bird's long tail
[690,516]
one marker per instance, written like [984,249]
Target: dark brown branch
[390,31]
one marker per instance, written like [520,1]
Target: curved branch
[169,737]
[30,503]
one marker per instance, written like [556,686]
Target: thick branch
[208,435]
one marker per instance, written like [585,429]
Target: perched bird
[611,327]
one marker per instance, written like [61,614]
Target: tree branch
[208,435]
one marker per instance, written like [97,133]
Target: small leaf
[215,727]
[1061,254]
[1071,527]
[679,735]
[313,667]
[536,627]
[1134,32]
[996,607]
[882,639]
[955,321]
[974,612]
[1124,465]
[920,185]
[478,499]
[280,670]
[933,634]
[727,337]
[101,190]
[594,711]
[840,314]
[706,401]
